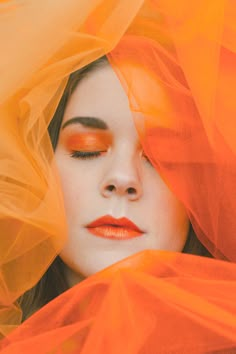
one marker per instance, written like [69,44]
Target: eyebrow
[89,122]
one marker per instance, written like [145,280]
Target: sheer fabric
[176,61]
[153,302]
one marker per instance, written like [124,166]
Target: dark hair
[53,282]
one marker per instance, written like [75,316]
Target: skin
[120,181]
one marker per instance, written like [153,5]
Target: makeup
[88,141]
[114,229]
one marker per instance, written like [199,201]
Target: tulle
[153,302]
[185,143]
[180,81]
[41,43]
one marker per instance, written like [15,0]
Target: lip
[116,229]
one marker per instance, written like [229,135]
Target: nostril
[110,188]
[131,190]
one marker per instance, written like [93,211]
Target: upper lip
[108,220]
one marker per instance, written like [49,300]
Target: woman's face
[116,203]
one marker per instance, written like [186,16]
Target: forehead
[100,94]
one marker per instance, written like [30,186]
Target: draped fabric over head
[177,63]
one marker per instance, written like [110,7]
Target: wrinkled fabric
[152,302]
[176,61]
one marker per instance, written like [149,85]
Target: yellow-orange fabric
[177,62]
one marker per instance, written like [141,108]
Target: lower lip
[114,233]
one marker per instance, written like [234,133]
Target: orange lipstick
[115,229]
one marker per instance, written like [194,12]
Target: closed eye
[147,159]
[83,155]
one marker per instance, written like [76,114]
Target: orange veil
[155,301]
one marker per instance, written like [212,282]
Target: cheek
[167,215]
[162,198]
[76,187]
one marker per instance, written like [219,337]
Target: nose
[123,178]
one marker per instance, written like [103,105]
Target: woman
[135,305]
[117,185]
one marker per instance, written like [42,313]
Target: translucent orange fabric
[188,148]
[153,302]
[180,81]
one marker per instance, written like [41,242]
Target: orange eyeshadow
[88,141]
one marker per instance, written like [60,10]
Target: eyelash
[88,155]
[83,155]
